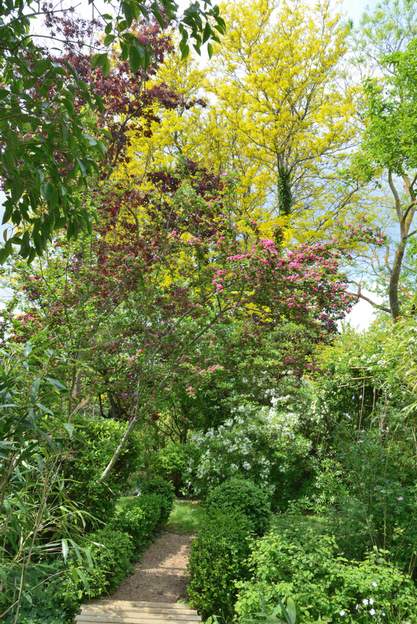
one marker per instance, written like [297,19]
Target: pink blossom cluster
[366,233]
[238,257]
[218,280]
[302,283]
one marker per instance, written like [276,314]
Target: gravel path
[161,575]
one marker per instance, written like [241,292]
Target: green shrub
[138,516]
[93,443]
[171,462]
[165,490]
[41,603]
[368,498]
[242,496]
[112,553]
[325,587]
[218,559]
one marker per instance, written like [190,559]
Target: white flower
[371,601]
[372,612]
[246,466]
[342,613]
[374,584]
[365,601]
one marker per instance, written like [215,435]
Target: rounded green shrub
[171,462]
[164,489]
[242,496]
[138,516]
[218,560]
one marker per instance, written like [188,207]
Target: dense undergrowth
[70,537]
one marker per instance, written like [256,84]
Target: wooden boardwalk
[136,612]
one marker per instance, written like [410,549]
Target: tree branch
[397,199]
[411,234]
[360,295]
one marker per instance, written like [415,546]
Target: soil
[161,574]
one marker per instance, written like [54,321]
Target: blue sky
[355,8]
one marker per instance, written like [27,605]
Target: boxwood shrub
[218,559]
[139,517]
[242,496]
[165,491]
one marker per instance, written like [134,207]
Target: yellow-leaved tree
[277,81]
[278,115]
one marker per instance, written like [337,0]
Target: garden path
[152,593]
[161,574]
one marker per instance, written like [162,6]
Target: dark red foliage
[123,96]
[127,251]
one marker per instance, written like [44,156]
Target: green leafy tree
[389,151]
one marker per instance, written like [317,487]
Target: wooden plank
[126,604]
[168,614]
[138,604]
[111,619]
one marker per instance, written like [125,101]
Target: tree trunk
[405,219]
[119,449]
[395,279]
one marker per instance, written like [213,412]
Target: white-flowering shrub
[260,443]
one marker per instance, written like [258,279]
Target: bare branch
[411,234]
[412,206]
[360,295]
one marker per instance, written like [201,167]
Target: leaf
[81,167]
[157,14]
[291,611]
[50,193]
[65,549]
[5,252]
[35,387]
[44,409]
[137,57]
[54,382]
[109,39]
[206,32]
[220,25]
[184,48]
[101,61]
[69,427]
